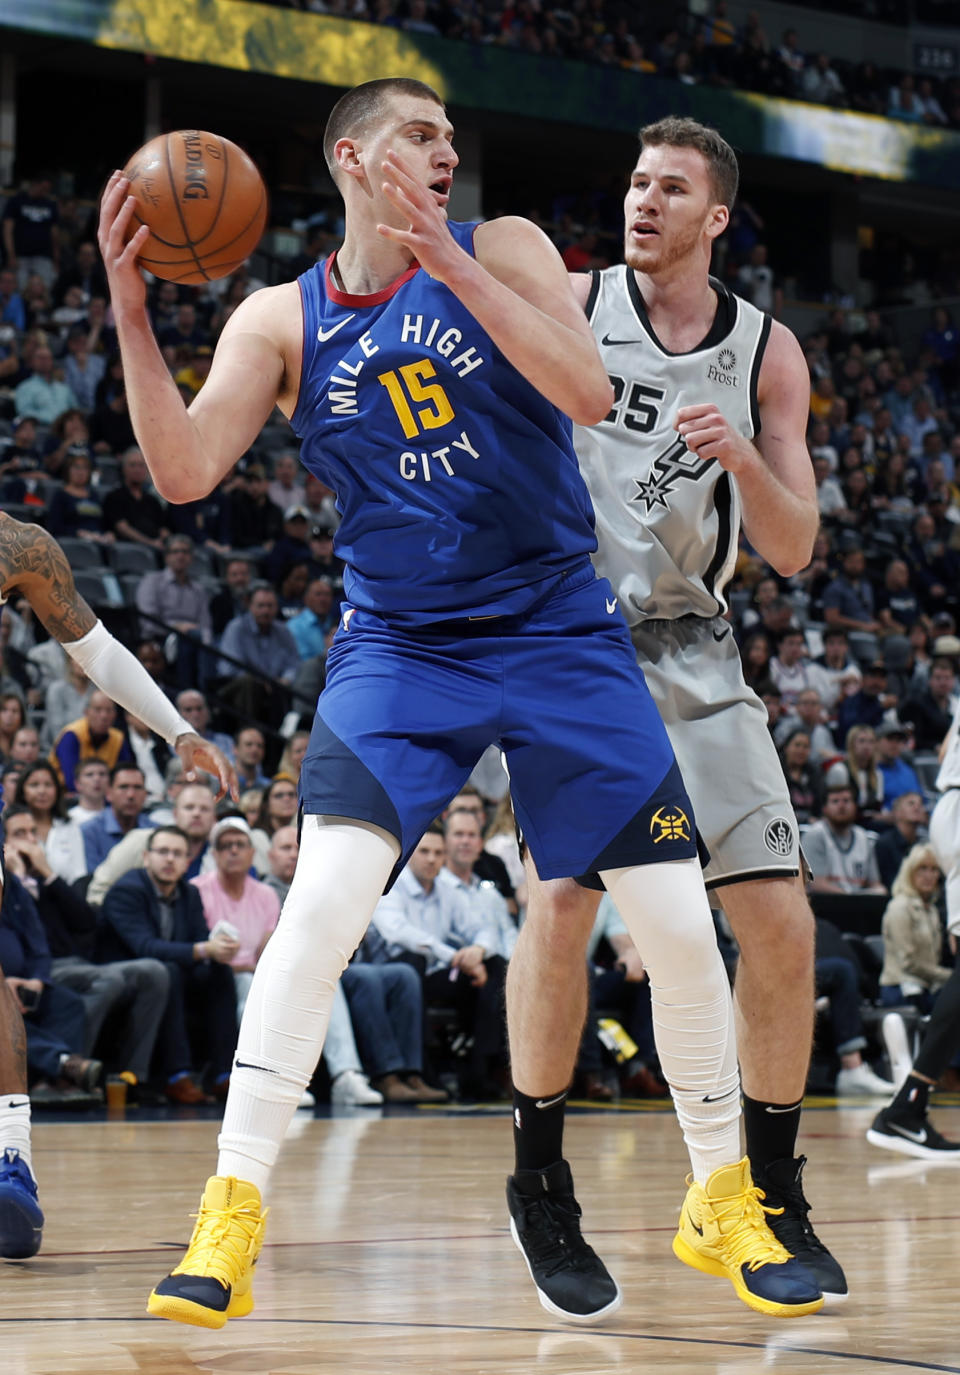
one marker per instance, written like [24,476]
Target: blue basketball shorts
[406,714]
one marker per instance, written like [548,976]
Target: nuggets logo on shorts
[669,823]
[778,836]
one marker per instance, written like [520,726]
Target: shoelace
[16,1171]
[222,1242]
[795,1229]
[556,1243]
[749,1240]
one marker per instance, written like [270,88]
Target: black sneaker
[572,1281]
[911,1134]
[782,1185]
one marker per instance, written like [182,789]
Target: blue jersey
[456,479]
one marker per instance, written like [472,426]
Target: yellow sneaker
[214,1280]
[723,1231]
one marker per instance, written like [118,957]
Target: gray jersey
[667,521]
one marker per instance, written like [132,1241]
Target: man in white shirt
[464,845]
[839,852]
[434,920]
[789,668]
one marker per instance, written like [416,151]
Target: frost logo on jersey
[778,837]
[669,823]
[722,370]
[665,472]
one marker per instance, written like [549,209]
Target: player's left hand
[196,753]
[709,434]
[428,238]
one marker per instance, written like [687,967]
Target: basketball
[204,202]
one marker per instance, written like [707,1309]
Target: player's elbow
[592,402]
[176,488]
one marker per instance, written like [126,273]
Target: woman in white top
[38,788]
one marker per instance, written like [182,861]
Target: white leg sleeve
[665,909]
[341,872]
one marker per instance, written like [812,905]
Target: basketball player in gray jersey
[707,431]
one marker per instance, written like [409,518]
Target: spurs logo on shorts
[778,836]
[669,823]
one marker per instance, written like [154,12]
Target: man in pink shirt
[232,896]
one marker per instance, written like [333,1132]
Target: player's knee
[561,913]
[775,930]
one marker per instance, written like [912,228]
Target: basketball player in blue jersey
[34,567]
[430,370]
[707,428]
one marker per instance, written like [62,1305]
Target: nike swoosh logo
[612,343]
[717,1098]
[324,334]
[694,1225]
[719,636]
[611,606]
[792,1108]
[24,1104]
[242,1064]
[919,1137]
[551,1102]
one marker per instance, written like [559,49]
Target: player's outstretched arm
[516,288]
[187,451]
[32,563]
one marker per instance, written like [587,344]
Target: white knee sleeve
[665,909]
[341,872]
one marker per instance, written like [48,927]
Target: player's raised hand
[127,285]
[196,753]
[709,434]
[428,237]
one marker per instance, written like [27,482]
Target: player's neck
[366,264]
[680,306]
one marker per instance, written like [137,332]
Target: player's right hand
[127,286]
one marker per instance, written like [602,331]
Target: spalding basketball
[204,202]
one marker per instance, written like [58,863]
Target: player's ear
[346,152]
[718,221]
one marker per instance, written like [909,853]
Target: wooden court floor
[388,1251]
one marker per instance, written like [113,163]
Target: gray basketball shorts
[718,729]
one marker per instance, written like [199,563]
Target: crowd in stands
[133,900]
[710,50]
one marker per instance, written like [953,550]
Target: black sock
[912,1097]
[538,1129]
[771,1131]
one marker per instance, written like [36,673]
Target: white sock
[340,876]
[666,911]
[15,1125]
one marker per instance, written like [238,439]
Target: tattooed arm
[32,563]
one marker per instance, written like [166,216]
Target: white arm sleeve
[123,678]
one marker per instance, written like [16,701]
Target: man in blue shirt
[848,600]
[257,639]
[124,812]
[311,626]
[898,777]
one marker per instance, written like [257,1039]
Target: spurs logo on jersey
[666,471]
[667,521]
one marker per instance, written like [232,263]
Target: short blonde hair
[903,885]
